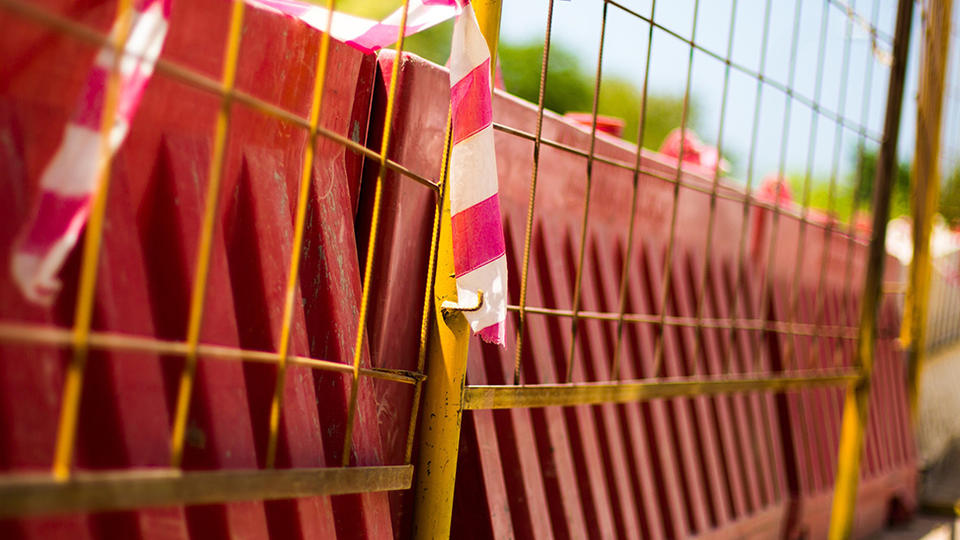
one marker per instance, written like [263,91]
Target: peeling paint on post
[443,401]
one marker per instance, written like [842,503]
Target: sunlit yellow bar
[83,311]
[552,395]
[857,398]
[22,495]
[198,294]
[925,189]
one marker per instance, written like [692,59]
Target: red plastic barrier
[665,468]
[832,290]
[147,266]
[706,466]
[403,243]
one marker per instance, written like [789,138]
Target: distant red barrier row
[741,465]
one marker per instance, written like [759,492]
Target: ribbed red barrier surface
[710,466]
[831,269]
[147,265]
[403,241]
[667,468]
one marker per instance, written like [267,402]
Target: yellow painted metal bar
[22,495]
[428,311]
[290,297]
[443,396]
[372,243]
[83,314]
[563,395]
[856,402]
[204,248]
[488,18]
[925,188]
[446,365]
[850,454]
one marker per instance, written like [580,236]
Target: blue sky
[577,26]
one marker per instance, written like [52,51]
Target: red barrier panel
[148,261]
[706,466]
[831,269]
[664,468]
[403,243]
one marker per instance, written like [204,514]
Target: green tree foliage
[569,83]
[569,88]
[867,170]
[855,192]
[838,203]
[620,98]
[432,43]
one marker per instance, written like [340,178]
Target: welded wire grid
[154,487]
[806,314]
[844,122]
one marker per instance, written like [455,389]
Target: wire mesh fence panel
[209,343]
[688,326]
[242,341]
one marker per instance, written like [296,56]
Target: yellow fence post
[488,17]
[856,402]
[925,187]
[446,364]
[442,402]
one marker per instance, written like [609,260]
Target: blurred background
[809,153]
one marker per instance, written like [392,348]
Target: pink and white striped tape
[367,35]
[479,252]
[71,178]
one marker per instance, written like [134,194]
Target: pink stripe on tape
[477,236]
[471,102]
[89,111]
[56,214]
[133,88]
[493,333]
[143,5]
